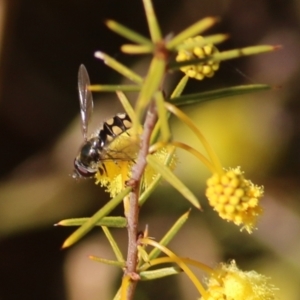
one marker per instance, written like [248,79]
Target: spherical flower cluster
[235,198]
[230,283]
[121,154]
[201,70]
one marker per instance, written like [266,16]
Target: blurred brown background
[42,45]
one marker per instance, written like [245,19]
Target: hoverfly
[95,149]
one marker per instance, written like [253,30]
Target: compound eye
[89,154]
[81,170]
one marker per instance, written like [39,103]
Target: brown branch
[133,213]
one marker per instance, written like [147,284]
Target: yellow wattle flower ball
[121,154]
[235,198]
[116,168]
[230,283]
[201,70]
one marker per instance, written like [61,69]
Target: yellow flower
[235,198]
[230,283]
[116,176]
[201,70]
[120,158]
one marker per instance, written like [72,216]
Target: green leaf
[127,33]
[122,69]
[180,87]
[150,86]
[114,88]
[152,22]
[195,29]
[165,133]
[169,235]
[156,274]
[170,177]
[126,105]
[253,50]
[219,93]
[117,295]
[108,261]
[137,49]
[142,254]
[145,195]
[113,244]
[118,222]
[225,55]
[176,93]
[92,221]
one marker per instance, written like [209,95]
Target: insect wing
[85,99]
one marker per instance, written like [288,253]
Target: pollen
[202,70]
[235,198]
[115,177]
[121,155]
[229,282]
[119,158]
